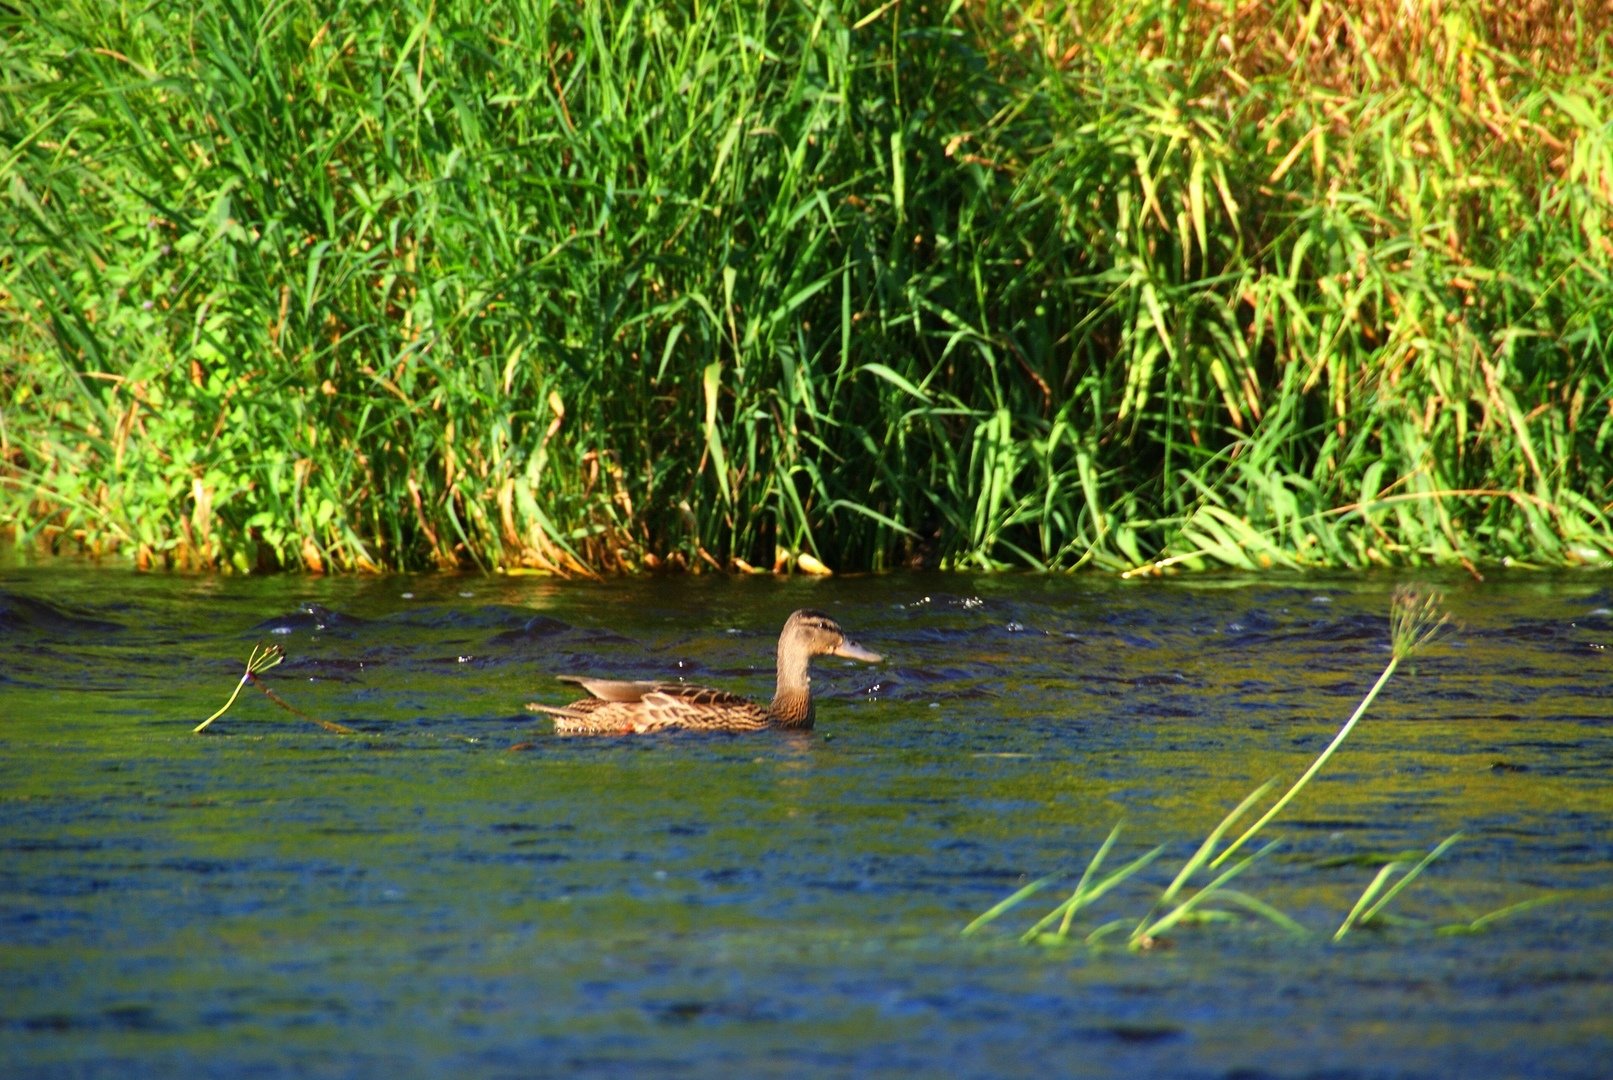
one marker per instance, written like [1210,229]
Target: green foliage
[597,286]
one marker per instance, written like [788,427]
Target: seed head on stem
[1415,619]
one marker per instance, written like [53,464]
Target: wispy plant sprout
[1415,619]
[262,659]
[1371,902]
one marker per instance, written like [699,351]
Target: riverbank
[596,289]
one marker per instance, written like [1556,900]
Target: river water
[454,891]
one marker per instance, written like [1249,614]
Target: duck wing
[696,708]
[624,707]
[668,695]
[613,689]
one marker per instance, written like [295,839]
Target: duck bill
[853,651]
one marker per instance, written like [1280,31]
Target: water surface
[453,891]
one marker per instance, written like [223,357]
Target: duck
[635,708]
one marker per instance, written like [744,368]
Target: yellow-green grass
[604,286]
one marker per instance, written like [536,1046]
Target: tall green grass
[599,286]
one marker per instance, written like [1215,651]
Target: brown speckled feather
[618,707]
[660,707]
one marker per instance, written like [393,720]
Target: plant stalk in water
[1415,619]
[263,658]
[1371,903]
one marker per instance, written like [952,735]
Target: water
[453,891]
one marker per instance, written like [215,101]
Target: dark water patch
[504,618]
[28,845]
[539,627]
[311,618]
[116,1018]
[579,640]
[1133,1034]
[41,619]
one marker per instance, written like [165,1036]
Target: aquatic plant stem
[1415,619]
[1316,766]
[1085,895]
[329,725]
[1146,933]
[1366,909]
[263,658]
[1003,905]
[1193,864]
[1477,925]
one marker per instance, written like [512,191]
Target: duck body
[616,707]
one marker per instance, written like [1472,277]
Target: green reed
[262,658]
[593,287]
[1199,890]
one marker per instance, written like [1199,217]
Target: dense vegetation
[601,285]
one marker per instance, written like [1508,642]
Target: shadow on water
[421,899]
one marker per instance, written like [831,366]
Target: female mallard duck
[623,708]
